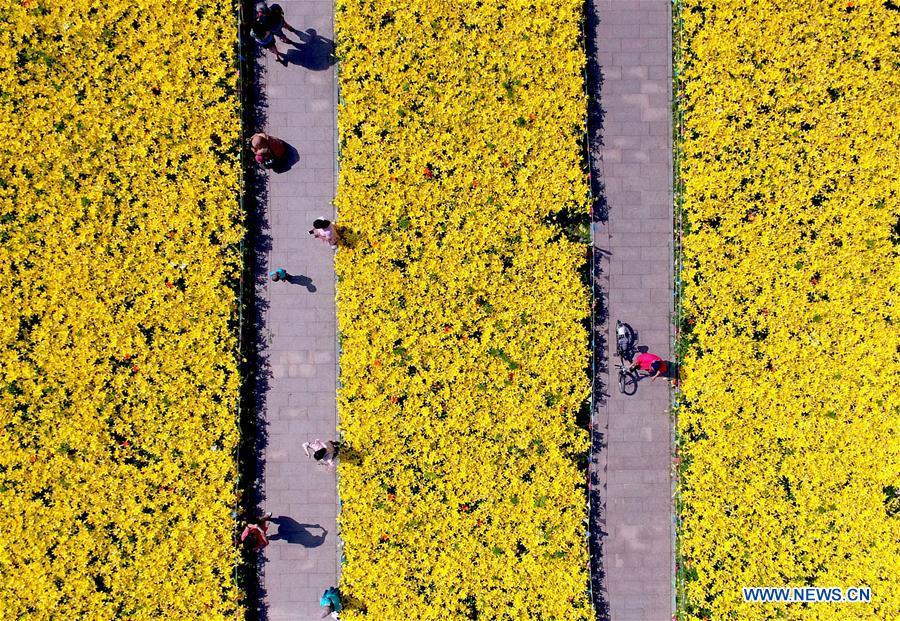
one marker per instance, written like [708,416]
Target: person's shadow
[316,53]
[304,281]
[291,531]
[291,157]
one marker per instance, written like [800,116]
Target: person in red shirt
[254,534]
[651,363]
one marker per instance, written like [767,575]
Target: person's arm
[306,448]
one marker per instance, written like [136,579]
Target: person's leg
[278,55]
[278,17]
[284,24]
[278,32]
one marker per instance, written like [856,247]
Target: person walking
[267,150]
[279,274]
[330,602]
[326,231]
[322,452]
[650,363]
[272,17]
[254,534]
[266,40]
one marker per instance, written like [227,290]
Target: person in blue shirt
[279,274]
[331,602]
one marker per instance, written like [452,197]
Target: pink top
[645,362]
[328,235]
[311,447]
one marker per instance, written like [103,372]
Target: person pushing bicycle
[649,363]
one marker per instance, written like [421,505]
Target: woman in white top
[325,230]
[322,452]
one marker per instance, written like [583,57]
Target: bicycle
[628,379]
[625,342]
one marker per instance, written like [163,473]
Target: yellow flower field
[460,308]
[792,176]
[118,376]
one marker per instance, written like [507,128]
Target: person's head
[321,223]
[257,142]
[319,455]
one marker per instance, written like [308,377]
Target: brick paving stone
[301,325]
[634,55]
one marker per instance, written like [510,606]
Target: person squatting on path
[279,274]
[254,534]
[651,363]
[330,602]
[323,452]
[267,149]
[326,231]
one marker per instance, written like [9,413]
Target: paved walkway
[633,43]
[303,556]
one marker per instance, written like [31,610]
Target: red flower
[427,172]
[475,183]
[376,363]
[169,285]
[446,329]
[392,497]
[134,368]
[394,399]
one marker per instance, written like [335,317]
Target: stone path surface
[634,163]
[302,559]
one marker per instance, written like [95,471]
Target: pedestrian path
[633,161]
[299,325]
